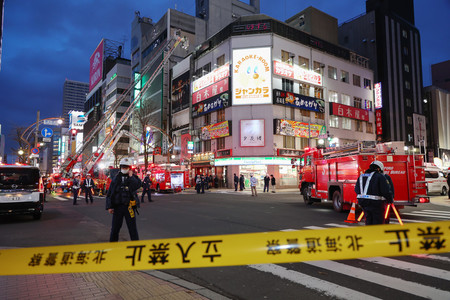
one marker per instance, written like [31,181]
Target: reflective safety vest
[363,194]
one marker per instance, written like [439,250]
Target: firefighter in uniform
[122,201]
[146,188]
[371,189]
[76,188]
[88,185]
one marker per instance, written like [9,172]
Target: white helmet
[126,162]
[378,164]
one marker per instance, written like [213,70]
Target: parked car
[436,182]
[21,190]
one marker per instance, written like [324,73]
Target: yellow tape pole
[231,250]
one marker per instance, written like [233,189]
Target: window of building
[357,102]
[318,67]
[356,80]
[367,84]
[305,113]
[221,115]
[304,143]
[346,100]
[405,50]
[368,104]
[345,76]
[346,123]
[407,85]
[207,68]
[408,102]
[405,34]
[287,85]
[369,127]
[289,142]
[303,62]
[359,125]
[318,92]
[197,147]
[406,67]
[332,72]
[320,116]
[207,119]
[221,60]
[207,145]
[304,89]
[334,121]
[221,143]
[287,58]
[409,120]
[333,96]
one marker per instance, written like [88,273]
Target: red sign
[185,138]
[215,131]
[351,112]
[210,91]
[35,150]
[378,122]
[210,78]
[96,66]
[283,69]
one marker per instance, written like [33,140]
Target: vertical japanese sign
[252,76]
[378,96]
[96,66]
[185,139]
[420,129]
[252,133]
[378,122]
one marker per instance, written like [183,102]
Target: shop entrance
[259,171]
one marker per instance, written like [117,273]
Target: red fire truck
[329,175]
[168,178]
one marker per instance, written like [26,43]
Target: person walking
[273,183]
[146,188]
[370,189]
[266,183]
[122,201]
[253,182]
[236,182]
[198,182]
[202,183]
[241,183]
[88,185]
[76,188]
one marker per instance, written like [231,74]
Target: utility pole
[36,135]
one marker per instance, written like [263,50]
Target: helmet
[148,173]
[378,164]
[125,162]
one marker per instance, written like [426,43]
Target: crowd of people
[203,182]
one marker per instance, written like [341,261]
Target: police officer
[370,189]
[122,200]
[76,188]
[146,188]
[88,185]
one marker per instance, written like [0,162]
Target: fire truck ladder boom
[109,139]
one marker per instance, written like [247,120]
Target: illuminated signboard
[252,133]
[351,112]
[185,139]
[298,101]
[252,76]
[218,102]
[180,92]
[210,91]
[378,96]
[241,161]
[190,147]
[216,131]
[378,122]
[297,73]
[96,66]
[210,78]
[76,119]
[299,129]
[251,27]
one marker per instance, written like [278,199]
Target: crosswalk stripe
[313,227]
[438,211]
[432,212]
[424,270]
[337,225]
[60,198]
[413,288]
[426,215]
[431,256]
[325,287]
[394,220]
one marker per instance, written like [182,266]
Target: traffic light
[73,134]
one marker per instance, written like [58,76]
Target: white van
[21,190]
[436,182]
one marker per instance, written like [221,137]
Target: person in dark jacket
[370,189]
[391,188]
[236,182]
[122,201]
[266,183]
[241,183]
[146,188]
[273,183]
[88,185]
[76,185]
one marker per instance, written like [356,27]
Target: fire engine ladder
[348,149]
[69,163]
[109,139]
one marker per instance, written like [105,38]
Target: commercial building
[262,91]
[74,96]
[386,34]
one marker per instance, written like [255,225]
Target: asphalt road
[213,213]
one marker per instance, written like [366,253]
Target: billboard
[210,91]
[96,66]
[252,76]
[298,101]
[252,133]
[346,111]
[76,119]
[297,73]
[420,130]
[216,131]
[215,103]
[299,129]
[185,152]
[180,92]
[378,97]
[210,78]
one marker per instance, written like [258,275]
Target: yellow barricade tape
[231,250]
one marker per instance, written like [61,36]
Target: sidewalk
[103,285]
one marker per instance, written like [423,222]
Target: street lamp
[20,152]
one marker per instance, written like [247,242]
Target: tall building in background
[386,34]
[2,8]
[440,75]
[74,96]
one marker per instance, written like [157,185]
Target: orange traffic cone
[352,215]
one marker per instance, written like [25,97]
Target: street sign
[35,150]
[46,140]
[46,132]
[51,122]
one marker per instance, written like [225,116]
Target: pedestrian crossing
[422,275]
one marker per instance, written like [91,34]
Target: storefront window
[259,171]
[288,176]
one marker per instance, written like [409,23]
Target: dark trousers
[241,186]
[373,211]
[88,192]
[147,192]
[266,186]
[120,212]
[235,186]
[75,196]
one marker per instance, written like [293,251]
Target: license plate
[15,198]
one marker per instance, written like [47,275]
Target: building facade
[74,96]
[386,34]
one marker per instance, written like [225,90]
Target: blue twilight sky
[47,41]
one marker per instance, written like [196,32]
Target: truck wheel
[337,201]
[444,191]
[307,195]
[37,216]
[158,190]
